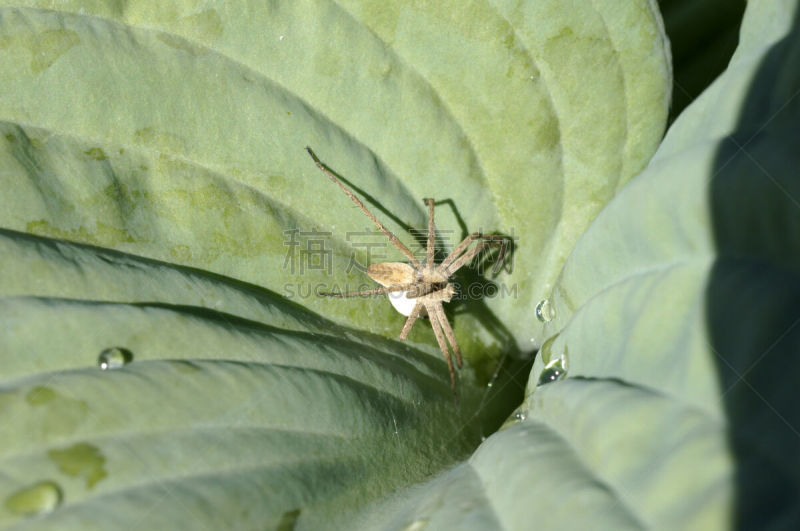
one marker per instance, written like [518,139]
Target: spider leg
[412,318]
[464,258]
[375,291]
[461,248]
[437,331]
[448,331]
[447,269]
[392,238]
[501,257]
[429,265]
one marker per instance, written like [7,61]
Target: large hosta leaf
[153,184]
[178,134]
[678,319]
[217,417]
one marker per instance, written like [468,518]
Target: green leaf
[551,470]
[153,177]
[179,135]
[677,311]
[215,417]
[677,316]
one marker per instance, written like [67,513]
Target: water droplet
[553,371]
[515,418]
[545,311]
[39,498]
[114,358]
[545,349]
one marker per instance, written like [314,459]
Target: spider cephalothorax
[426,285]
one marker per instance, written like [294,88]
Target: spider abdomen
[391,273]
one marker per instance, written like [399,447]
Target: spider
[426,284]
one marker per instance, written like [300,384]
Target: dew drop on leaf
[40,498]
[114,358]
[553,371]
[545,311]
[515,418]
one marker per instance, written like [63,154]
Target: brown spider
[426,284]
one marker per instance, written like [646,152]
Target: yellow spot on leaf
[81,460]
